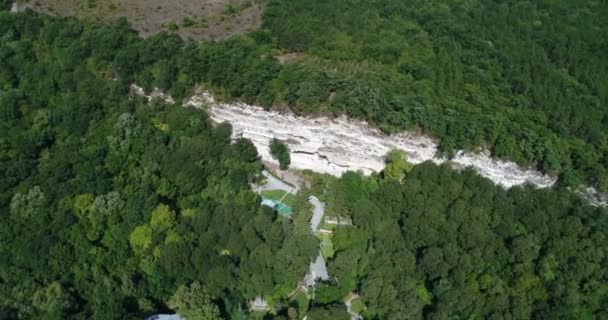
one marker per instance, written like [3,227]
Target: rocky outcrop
[335,146]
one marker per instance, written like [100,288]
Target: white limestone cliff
[335,146]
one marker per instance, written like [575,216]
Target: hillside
[116,206]
[525,79]
[199,20]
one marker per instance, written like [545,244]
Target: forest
[525,79]
[434,243]
[113,208]
[116,208]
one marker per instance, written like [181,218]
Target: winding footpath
[317,213]
[272,183]
[317,268]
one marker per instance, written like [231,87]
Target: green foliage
[193,302]
[280,152]
[468,72]
[327,246]
[187,22]
[141,238]
[230,10]
[233,10]
[5,4]
[172,26]
[302,301]
[396,165]
[111,203]
[331,292]
[399,65]
[333,311]
[357,306]
[162,218]
[28,206]
[280,195]
[52,301]
[442,242]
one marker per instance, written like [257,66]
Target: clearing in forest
[281,196]
[196,19]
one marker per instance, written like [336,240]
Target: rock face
[155,94]
[595,198]
[17,6]
[335,146]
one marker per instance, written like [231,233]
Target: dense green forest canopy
[441,244]
[113,207]
[529,79]
[526,79]
[109,204]
[280,151]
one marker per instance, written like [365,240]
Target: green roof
[283,209]
[280,207]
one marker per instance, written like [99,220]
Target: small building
[338,221]
[268,202]
[258,304]
[283,209]
[325,231]
[278,206]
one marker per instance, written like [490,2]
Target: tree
[52,301]
[108,202]
[332,311]
[280,152]
[30,205]
[193,302]
[172,26]
[396,165]
[5,4]
[246,150]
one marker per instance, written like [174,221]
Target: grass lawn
[302,301]
[289,199]
[327,246]
[258,314]
[357,306]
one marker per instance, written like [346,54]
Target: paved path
[275,184]
[317,270]
[317,212]
[318,267]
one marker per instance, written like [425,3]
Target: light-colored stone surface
[595,198]
[156,93]
[318,211]
[335,146]
[273,183]
[18,6]
[317,270]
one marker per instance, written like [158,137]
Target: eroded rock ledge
[335,146]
